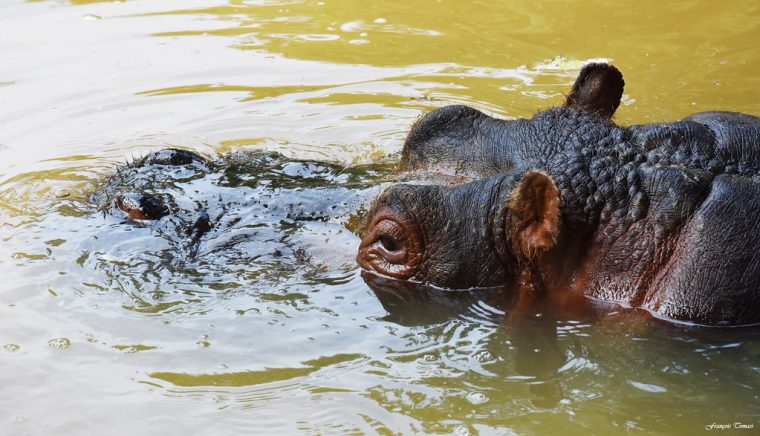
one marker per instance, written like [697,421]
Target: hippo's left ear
[598,90]
[535,205]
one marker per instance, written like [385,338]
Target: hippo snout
[392,243]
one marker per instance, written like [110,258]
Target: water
[110,328]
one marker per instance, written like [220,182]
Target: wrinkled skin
[568,206]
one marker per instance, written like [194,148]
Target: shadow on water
[413,304]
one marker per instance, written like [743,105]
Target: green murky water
[103,332]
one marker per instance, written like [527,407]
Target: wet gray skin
[250,210]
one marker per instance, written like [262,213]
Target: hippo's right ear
[597,90]
[535,205]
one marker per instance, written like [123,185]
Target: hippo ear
[535,205]
[597,90]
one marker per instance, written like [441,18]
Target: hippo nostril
[389,243]
[391,247]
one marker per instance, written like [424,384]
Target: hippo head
[491,231]
[477,234]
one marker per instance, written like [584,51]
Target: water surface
[109,328]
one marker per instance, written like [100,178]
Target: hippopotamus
[569,207]
[248,210]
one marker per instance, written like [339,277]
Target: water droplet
[380,21]
[11,347]
[91,17]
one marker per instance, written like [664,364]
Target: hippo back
[718,142]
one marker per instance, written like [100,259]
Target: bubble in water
[483,356]
[463,430]
[59,343]
[380,21]
[477,398]
[352,26]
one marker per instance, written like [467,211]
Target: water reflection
[529,342]
[411,304]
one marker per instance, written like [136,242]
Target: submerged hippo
[569,207]
[257,212]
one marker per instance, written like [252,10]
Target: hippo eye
[391,246]
[141,206]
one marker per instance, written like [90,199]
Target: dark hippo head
[472,235]
[484,233]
